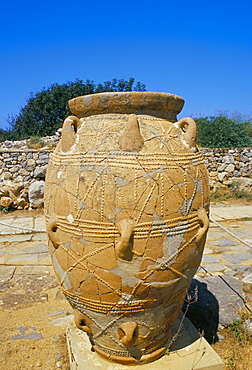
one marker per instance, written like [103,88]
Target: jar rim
[161,105]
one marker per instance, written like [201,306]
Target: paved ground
[222,212]
[27,279]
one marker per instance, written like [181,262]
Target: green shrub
[222,132]
[238,329]
[7,209]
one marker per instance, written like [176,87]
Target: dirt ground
[48,349]
[235,355]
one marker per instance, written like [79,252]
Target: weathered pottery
[126,204]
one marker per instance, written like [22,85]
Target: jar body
[126,203]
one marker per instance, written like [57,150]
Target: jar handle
[69,130]
[124,247]
[204,224]
[131,138]
[189,130]
[52,228]
[128,333]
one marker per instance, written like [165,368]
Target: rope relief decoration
[126,203]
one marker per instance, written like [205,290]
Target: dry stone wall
[224,164]
[22,170]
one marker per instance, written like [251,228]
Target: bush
[222,132]
[3,135]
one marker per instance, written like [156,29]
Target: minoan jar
[126,205]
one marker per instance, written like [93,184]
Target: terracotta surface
[126,203]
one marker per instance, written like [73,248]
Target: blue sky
[200,50]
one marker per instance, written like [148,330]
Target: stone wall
[224,164]
[22,175]
[22,171]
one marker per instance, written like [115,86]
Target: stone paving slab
[40,223]
[210,259]
[29,259]
[37,247]
[30,222]
[40,236]
[33,258]
[33,270]
[220,297]
[25,222]
[229,212]
[6,273]
[16,238]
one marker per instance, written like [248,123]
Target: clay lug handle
[124,247]
[131,138]
[52,228]
[189,129]
[128,333]
[69,130]
[80,322]
[204,220]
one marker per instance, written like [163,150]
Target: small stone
[230,168]
[208,251]
[39,364]
[40,172]
[62,321]
[248,325]
[31,162]
[4,192]
[6,201]
[34,336]
[228,159]
[14,169]
[221,167]
[59,364]
[36,194]
[20,203]
[248,279]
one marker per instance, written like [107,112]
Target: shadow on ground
[202,310]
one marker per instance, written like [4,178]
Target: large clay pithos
[126,205]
